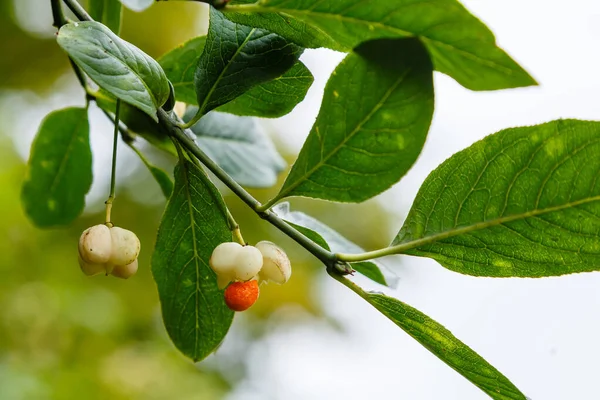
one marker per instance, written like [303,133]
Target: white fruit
[223,260]
[248,263]
[95,244]
[276,264]
[125,246]
[90,268]
[125,271]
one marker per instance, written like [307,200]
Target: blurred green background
[67,336]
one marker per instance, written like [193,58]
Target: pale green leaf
[523,202]
[59,172]
[194,223]
[461,45]
[331,240]
[115,65]
[372,125]
[240,146]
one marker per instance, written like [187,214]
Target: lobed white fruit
[125,271]
[95,244]
[223,262]
[276,264]
[125,246]
[248,263]
[90,269]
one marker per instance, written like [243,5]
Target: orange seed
[240,296]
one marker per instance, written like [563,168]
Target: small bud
[248,263]
[95,244]
[125,246]
[240,296]
[125,271]
[223,260]
[276,264]
[90,269]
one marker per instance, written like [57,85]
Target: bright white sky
[542,334]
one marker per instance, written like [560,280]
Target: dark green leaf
[236,58]
[309,227]
[240,146]
[137,5]
[275,98]
[372,125]
[194,223]
[108,12]
[161,177]
[523,202]
[271,99]
[115,65]
[441,342]
[59,173]
[461,46]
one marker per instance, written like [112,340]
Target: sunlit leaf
[442,343]
[522,202]
[461,46]
[372,125]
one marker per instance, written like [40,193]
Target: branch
[173,129]
[327,257]
[78,10]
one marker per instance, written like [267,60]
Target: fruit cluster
[109,250]
[245,266]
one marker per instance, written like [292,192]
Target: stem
[235,228]
[349,284]
[57,14]
[369,255]
[113,174]
[78,10]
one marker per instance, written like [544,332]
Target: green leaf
[523,202]
[59,172]
[443,344]
[137,5]
[107,12]
[236,58]
[180,64]
[115,65]
[160,176]
[372,125]
[240,146]
[194,223]
[461,45]
[275,98]
[271,99]
[317,232]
